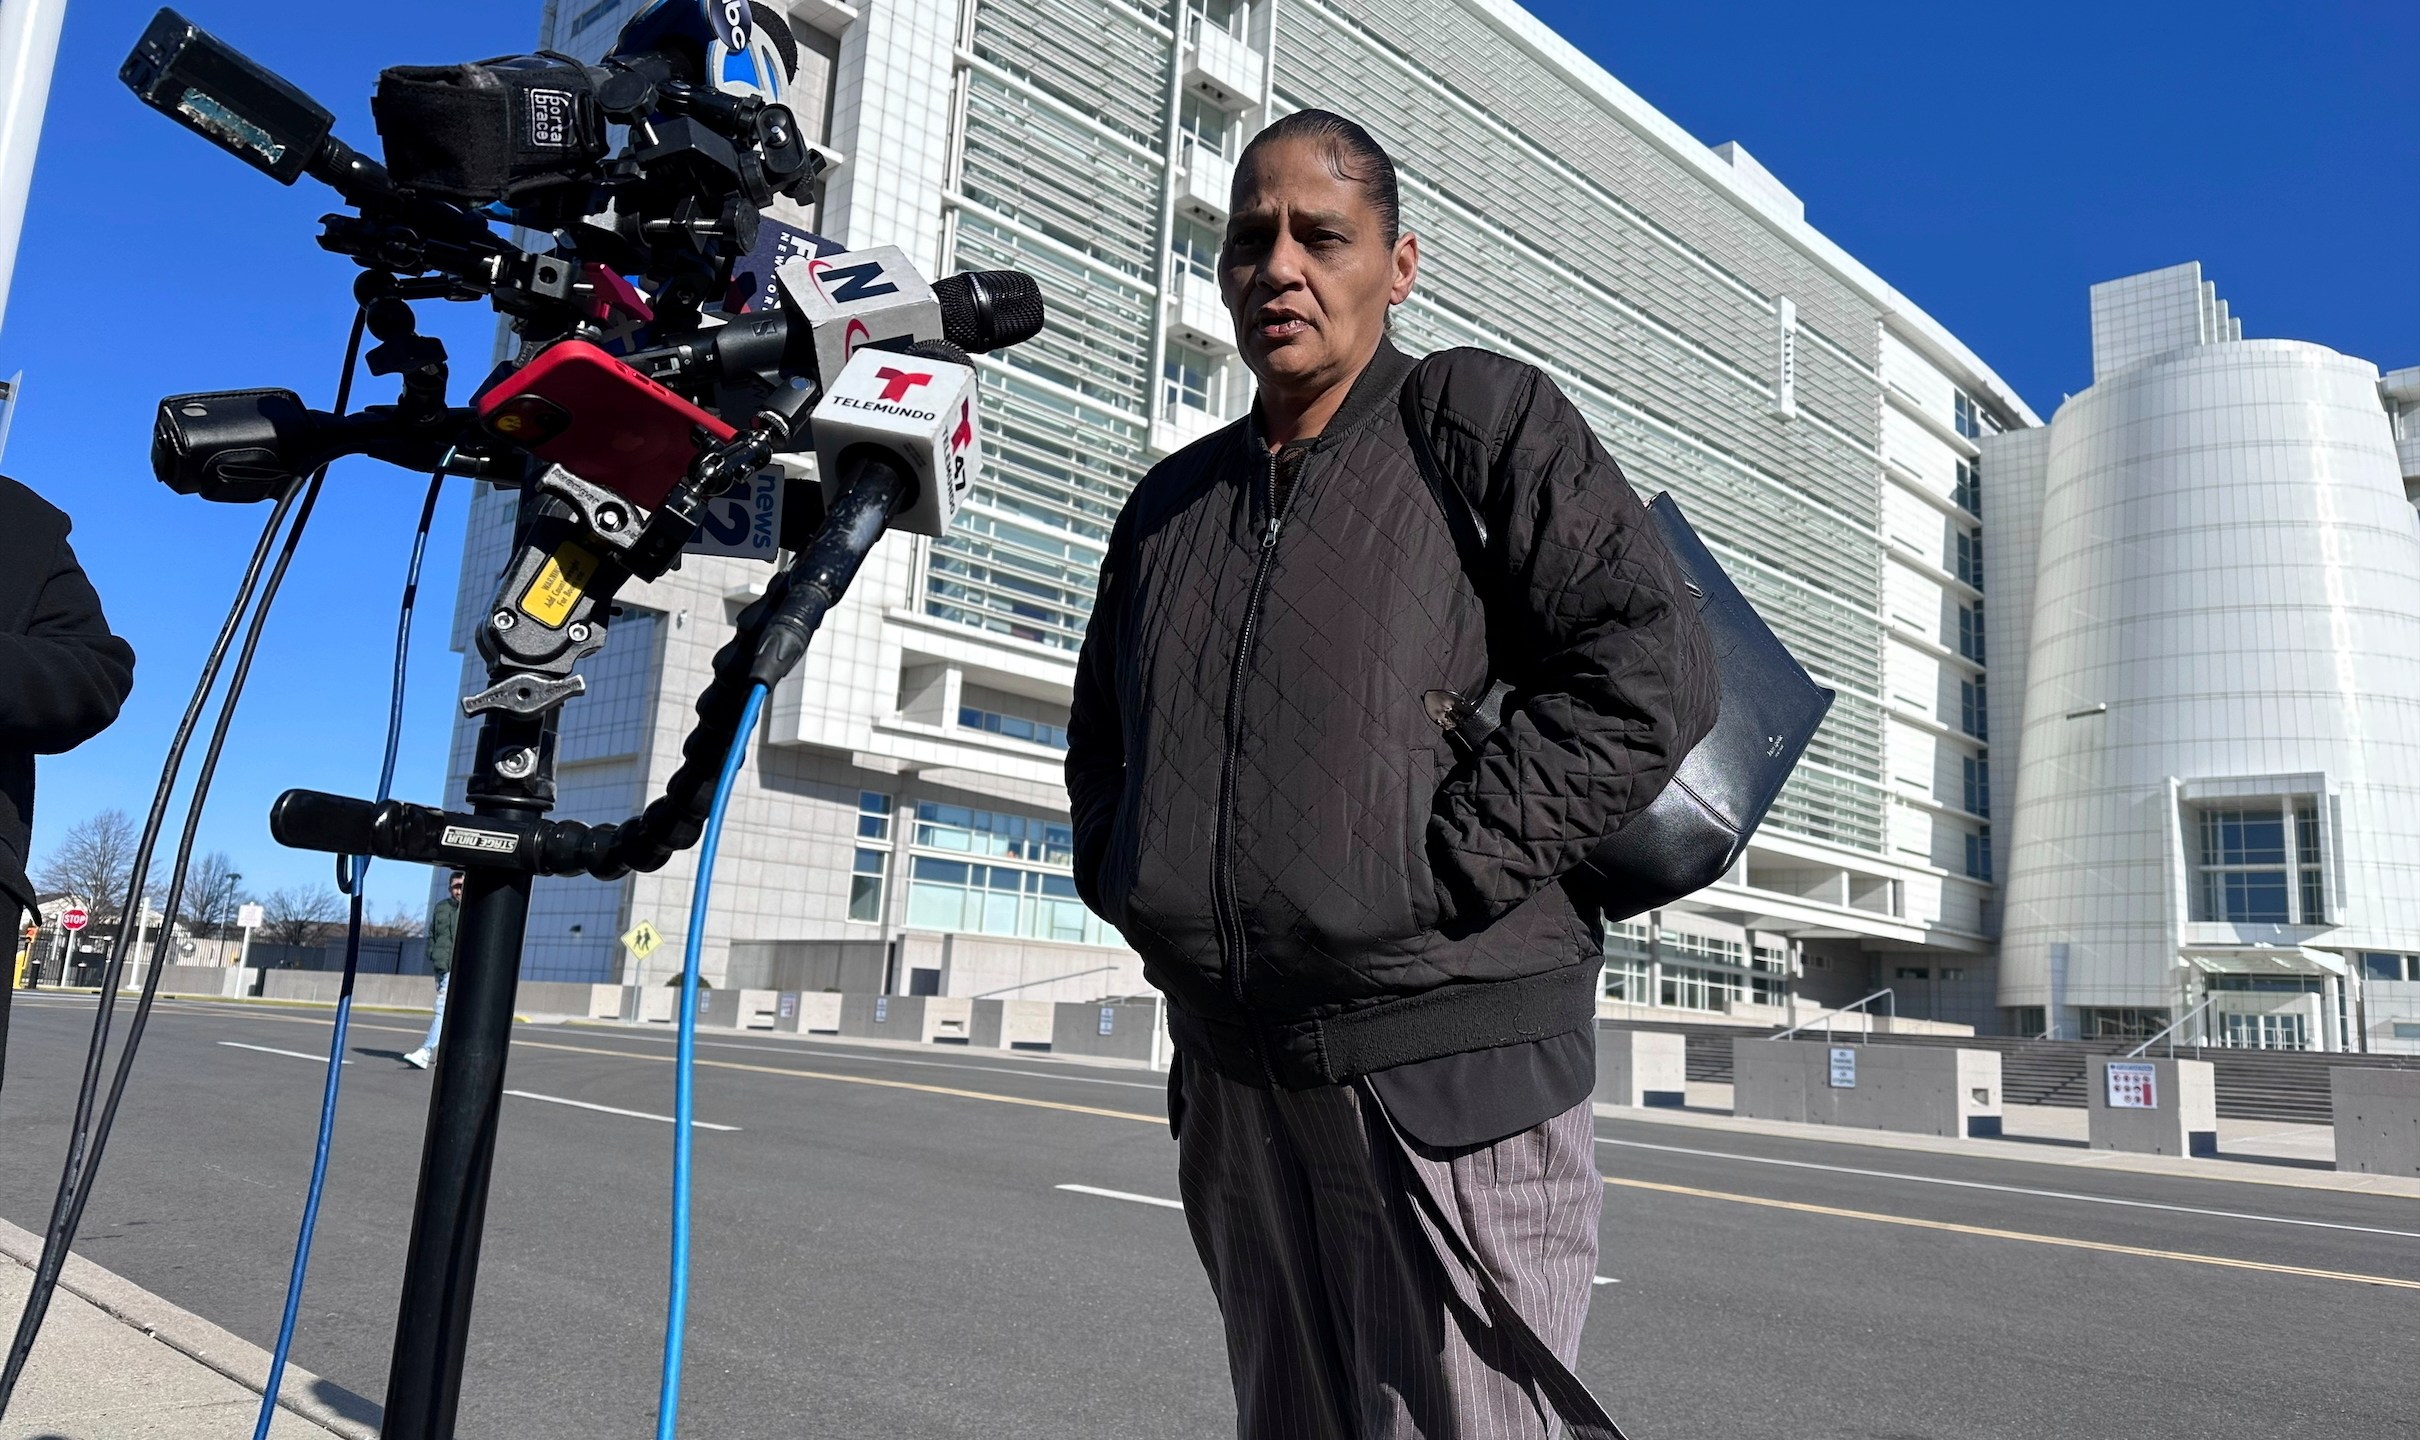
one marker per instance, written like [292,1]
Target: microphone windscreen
[989,309]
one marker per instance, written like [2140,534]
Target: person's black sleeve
[1612,673]
[63,678]
[1096,732]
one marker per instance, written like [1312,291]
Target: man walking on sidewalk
[444,918]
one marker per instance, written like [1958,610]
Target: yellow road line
[1987,1232]
[853,1080]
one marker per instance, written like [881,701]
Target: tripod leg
[424,1380]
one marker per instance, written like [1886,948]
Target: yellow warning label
[642,940]
[560,585]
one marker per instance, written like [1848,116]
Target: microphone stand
[502,845]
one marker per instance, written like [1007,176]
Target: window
[2406,1030]
[1203,123]
[1188,380]
[2306,853]
[1970,632]
[1953,973]
[1974,710]
[2265,1032]
[1914,972]
[1967,494]
[1195,247]
[1978,785]
[2249,873]
[590,16]
[872,860]
[1013,727]
[999,900]
[1978,855]
[1966,415]
[1970,557]
[2027,1020]
[2123,1023]
[962,831]
[2378,965]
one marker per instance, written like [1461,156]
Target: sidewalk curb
[2020,1152]
[322,1402]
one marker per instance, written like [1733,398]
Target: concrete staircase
[2283,1085]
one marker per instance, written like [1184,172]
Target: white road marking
[849,1052]
[272,1050]
[615,1110]
[1604,1280]
[1123,1195]
[2015,1189]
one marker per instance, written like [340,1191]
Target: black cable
[86,1140]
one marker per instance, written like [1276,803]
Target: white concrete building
[2216,726]
[902,822]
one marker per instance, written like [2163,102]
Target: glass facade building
[1821,432]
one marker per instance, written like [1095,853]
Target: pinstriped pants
[1346,1319]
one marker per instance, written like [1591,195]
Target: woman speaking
[1381,983]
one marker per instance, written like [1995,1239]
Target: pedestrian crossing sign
[642,940]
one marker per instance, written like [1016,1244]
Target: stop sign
[74,917]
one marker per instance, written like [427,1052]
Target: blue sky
[1989,161]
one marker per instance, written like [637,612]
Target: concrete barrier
[401,992]
[659,1004]
[1641,1067]
[608,1002]
[1917,1089]
[552,997]
[1011,1024]
[816,1012]
[883,1017]
[719,1008]
[949,1019]
[2377,1120]
[2153,1107]
[203,980]
[757,1008]
[1121,1032]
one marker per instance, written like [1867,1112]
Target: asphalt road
[883,1247]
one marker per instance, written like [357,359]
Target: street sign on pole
[74,918]
[249,917]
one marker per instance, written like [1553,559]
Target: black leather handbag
[1696,829]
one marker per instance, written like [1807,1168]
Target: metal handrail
[2170,1031]
[1891,995]
[1045,980]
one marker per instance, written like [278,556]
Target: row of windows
[1012,727]
[2381,965]
[999,900]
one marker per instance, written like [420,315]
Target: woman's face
[1307,272]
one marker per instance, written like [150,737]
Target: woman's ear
[1407,269]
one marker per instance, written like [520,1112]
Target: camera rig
[632,338]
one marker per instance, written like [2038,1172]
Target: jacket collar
[1373,390]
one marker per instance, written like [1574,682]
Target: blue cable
[350,880]
[684,1071]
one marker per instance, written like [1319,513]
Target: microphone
[913,412]
[984,310]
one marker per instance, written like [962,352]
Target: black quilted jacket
[1263,806]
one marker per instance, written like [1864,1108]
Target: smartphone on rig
[580,408]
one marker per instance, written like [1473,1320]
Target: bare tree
[399,921]
[94,863]
[301,914]
[213,893]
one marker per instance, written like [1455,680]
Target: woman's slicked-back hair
[1353,157]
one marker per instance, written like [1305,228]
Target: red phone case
[584,410]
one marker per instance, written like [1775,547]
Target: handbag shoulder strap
[1469,527]
[1468,719]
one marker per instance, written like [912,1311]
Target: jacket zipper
[1228,907]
